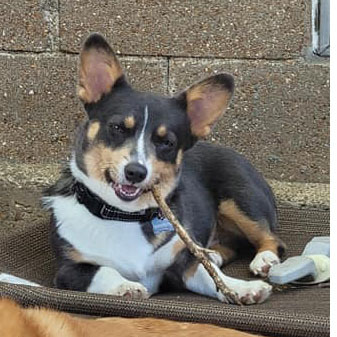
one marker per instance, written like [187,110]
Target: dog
[38,322]
[108,233]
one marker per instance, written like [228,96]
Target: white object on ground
[16,280]
[314,262]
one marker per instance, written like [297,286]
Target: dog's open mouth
[124,192]
[127,192]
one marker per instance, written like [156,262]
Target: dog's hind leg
[257,232]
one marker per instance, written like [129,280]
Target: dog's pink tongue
[129,189]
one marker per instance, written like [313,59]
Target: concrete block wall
[279,117]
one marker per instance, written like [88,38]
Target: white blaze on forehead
[141,142]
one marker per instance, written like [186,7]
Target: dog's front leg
[98,279]
[108,281]
[197,279]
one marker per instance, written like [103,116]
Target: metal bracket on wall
[321,27]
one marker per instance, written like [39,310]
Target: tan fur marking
[129,122]
[99,158]
[226,227]
[74,255]
[191,270]
[166,169]
[226,253]
[83,94]
[93,130]
[159,239]
[214,103]
[164,173]
[260,237]
[269,243]
[162,131]
[178,247]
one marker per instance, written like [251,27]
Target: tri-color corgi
[108,233]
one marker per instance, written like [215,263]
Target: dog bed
[290,311]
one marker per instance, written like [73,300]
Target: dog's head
[133,140]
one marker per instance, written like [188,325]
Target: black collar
[101,209]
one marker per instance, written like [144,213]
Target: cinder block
[39,108]
[228,29]
[27,25]
[279,116]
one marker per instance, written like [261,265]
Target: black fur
[228,175]
[75,276]
[97,41]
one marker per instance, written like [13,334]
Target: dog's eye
[116,128]
[166,143]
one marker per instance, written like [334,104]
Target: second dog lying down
[18,322]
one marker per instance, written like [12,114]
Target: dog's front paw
[262,262]
[131,290]
[216,258]
[252,292]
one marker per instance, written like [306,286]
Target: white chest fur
[116,244]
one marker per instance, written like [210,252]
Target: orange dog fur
[19,322]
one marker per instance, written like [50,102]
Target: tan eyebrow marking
[129,122]
[93,130]
[162,131]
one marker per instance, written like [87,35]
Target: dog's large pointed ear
[206,101]
[99,69]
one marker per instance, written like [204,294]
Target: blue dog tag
[161,225]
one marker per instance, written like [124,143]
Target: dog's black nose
[135,172]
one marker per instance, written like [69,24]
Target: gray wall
[279,117]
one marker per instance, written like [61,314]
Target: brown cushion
[25,252]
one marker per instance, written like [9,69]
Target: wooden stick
[199,252]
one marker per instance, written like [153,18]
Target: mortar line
[61,53]
[51,17]
[168,75]
[32,53]
[58,26]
